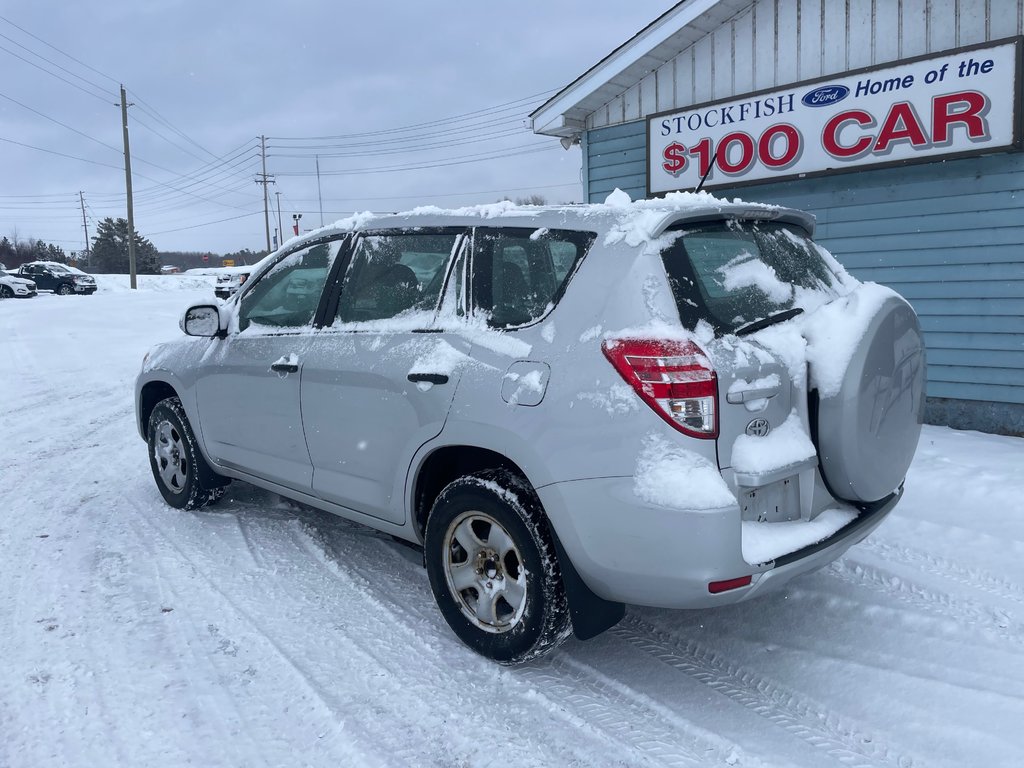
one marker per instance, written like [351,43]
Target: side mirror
[202,320]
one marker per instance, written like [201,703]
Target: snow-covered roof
[644,219]
[565,113]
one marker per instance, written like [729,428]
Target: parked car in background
[59,278]
[12,286]
[679,403]
[229,280]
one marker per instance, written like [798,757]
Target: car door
[380,380]
[39,275]
[248,385]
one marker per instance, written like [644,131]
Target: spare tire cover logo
[758,428]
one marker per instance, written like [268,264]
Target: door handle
[429,378]
[746,395]
[286,364]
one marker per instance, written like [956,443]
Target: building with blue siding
[897,124]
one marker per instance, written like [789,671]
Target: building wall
[777,42]
[949,236]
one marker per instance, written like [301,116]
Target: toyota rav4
[680,403]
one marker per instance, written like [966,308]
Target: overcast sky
[208,78]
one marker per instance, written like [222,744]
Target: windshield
[733,273]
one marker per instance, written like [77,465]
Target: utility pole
[264,179]
[279,227]
[318,193]
[128,189]
[81,199]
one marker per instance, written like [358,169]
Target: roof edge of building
[555,118]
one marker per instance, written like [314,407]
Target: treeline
[108,253]
[195,259]
[15,252]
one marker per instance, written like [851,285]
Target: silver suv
[679,403]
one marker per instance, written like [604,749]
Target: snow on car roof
[633,221]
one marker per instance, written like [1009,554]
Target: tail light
[675,378]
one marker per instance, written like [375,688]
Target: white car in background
[13,287]
[230,279]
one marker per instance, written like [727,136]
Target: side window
[287,296]
[395,274]
[519,273]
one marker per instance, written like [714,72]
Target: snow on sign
[960,102]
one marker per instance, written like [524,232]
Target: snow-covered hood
[13,279]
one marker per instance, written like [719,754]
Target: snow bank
[162,283]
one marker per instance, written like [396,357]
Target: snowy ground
[257,634]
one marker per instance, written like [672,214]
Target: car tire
[185,479]
[65,290]
[487,535]
[6,293]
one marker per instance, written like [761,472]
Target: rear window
[733,273]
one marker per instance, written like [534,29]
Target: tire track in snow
[991,622]
[363,739]
[193,638]
[376,652]
[804,718]
[315,543]
[585,695]
[974,578]
[574,692]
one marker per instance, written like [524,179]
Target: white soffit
[565,113]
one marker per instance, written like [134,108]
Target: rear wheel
[493,568]
[183,476]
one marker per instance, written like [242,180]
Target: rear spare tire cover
[868,431]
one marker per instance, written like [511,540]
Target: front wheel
[6,293]
[493,568]
[184,478]
[65,290]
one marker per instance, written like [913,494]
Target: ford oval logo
[758,428]
[825,95]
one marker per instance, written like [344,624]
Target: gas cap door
[525,383]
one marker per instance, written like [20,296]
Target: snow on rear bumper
[632,552]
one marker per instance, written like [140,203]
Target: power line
[62,53]
[423,166]
[422,195]
[206,223]
[61,154]
[453,118]
[52,74]
[52,63]
[150,110]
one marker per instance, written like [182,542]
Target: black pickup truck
[59,278]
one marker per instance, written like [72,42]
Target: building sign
[953,104]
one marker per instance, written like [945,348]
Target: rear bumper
[631,552]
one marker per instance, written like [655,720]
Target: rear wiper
[764,322]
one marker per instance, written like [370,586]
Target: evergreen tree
[56,253]
[110,249]
[7,253]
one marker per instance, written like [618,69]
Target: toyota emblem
[758,428]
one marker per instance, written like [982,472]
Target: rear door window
[519,274]
[733,273]
[396,274]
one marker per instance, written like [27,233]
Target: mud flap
[591,615]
